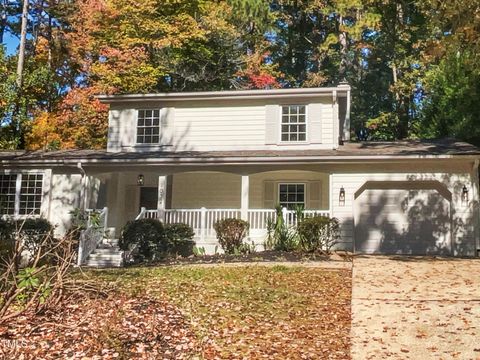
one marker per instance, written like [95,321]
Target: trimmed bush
[318,233]
[145,237]
[178,232]
[230,234]
[179,238]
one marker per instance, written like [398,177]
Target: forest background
[412,64]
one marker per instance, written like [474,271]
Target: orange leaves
[81,121]
[258,73]
[42,134]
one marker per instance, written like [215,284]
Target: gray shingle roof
[412,148]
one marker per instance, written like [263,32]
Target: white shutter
[272,120]
[168,126]
[269,195]
[315,195]
[314,123]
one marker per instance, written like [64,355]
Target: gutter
[236,160]
[476,200]
[225,95]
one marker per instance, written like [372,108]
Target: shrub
[318,233]
[179,239]
[145,238]
[35,233]
[7,240]
[230,234]
[285,238]
[280,236]
[178,232]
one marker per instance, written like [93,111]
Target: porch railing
[202,220]
[93,235]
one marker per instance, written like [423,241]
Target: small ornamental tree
[230,234]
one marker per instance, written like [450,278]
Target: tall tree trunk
[3,19]
[342,37]
[23,39]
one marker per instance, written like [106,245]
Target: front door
[149,198]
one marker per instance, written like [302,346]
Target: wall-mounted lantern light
[341,196]
[140,180]
[464,195]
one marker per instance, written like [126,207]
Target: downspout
[83,190]
[476,201]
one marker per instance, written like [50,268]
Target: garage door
[393,220]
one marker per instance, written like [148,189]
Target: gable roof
[414,149]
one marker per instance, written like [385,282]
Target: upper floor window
[148,127]
[294,123]
[21,194]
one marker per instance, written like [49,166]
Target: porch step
[110,242]
[103,263]
[105,256]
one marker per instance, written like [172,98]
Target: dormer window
[148,126]
[294,123]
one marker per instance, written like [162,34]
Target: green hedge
[151,240]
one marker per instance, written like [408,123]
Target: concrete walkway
[415,308]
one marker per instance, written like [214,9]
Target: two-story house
[199,157]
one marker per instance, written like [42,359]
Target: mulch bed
[257,257]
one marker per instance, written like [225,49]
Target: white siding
[327,124]
[212,190]
[64,197]
[204,128]
[220,126]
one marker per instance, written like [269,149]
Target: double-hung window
[148,126]
[294,123]
[291,196]
[21,194]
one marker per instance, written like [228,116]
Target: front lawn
[225,312]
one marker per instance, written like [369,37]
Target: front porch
[202,221]
[200,198]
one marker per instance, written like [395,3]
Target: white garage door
[402,221]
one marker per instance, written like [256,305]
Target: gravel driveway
[415,308]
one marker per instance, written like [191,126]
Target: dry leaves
[117,327]
[215,312]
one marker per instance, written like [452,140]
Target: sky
[11,43]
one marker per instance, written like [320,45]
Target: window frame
[137,127]
[304,184]
[280,132]
[18,194]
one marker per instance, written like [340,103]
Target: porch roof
[413,149]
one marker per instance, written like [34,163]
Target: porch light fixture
[341,196]
[140,180]
[464,195]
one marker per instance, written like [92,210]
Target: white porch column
[245,196]
[162,197]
